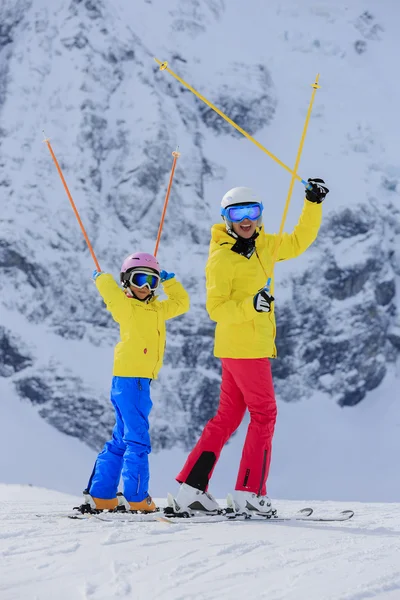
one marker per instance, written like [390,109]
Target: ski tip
[306,512]
[349,514]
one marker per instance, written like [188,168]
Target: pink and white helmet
[139,260]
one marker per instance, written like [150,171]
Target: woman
[239,263]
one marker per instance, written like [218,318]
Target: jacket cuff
[316,205]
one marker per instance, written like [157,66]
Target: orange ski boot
[146,505]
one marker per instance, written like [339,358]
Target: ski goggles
[240,212]
[141,279]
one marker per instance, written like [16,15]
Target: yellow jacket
[142,326]
[233,280]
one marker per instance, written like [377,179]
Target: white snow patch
[50,556]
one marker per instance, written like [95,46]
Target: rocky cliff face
[83,72]
[339,332]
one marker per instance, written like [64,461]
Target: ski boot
[191,502]
[249,504]
[118,504]
[96,505]
[147,505]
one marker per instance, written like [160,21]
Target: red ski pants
[246,383]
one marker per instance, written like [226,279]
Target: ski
[304,515]
[231,515]
[173,514]
[120,517]
[343,515]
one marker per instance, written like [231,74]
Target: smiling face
[245,228]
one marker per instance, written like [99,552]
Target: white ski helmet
[240,195]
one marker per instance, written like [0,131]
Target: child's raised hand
[164,276]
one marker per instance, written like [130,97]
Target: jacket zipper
[158,344]
[262,266]
[269,314]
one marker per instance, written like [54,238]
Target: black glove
[318,192]
[262,301]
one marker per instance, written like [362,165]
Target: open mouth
[246,228]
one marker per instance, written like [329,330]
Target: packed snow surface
[49,556]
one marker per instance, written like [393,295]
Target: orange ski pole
[176,155]
[72,202]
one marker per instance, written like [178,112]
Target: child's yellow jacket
[142,326]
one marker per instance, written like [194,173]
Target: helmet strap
[228,226]
[232,233]
[239,237]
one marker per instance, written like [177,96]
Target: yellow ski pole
[315,86]
[164,67]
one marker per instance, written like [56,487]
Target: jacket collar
[148,300]
[220,237]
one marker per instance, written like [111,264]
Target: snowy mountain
[291,561]
[84,73]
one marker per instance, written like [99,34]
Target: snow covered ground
[53,557]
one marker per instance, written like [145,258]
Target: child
[137,360]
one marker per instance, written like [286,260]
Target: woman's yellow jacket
[233,280]
[142,326]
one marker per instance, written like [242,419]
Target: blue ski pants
[127,452]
